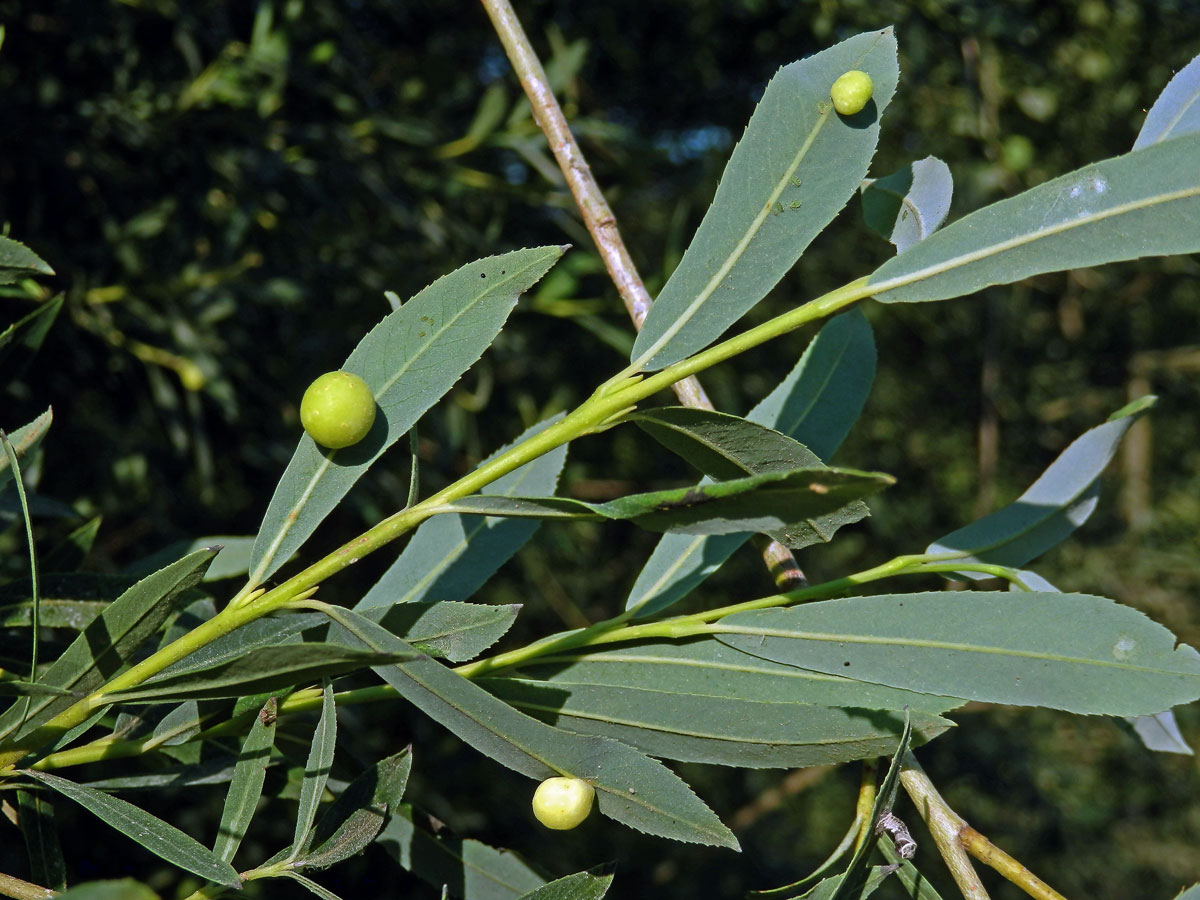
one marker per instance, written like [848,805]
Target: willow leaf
[450,556]
[816,404]
[409,360]
[18,261]
[1145,203]
[245,787]
[108,643]
[659,803]
[911,203]
[794,168]
[1061,500]
[161,839]
[1023,649]
[694,727]
[466,867]
[1176,111]
[591,885]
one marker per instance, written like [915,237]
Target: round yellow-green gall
[337,410]
[562,803]
[851,92]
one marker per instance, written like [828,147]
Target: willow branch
[958,841]
[602,225]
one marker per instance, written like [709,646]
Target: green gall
[337,410]
[851,92]
[562,803]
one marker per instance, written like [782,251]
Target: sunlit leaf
[18,261]
[1145,203]
[409,360]
[1075,652]
[316,770]
[1055,505]
[909,205]
[798,163]
[1176,111]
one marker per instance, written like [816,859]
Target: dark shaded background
[225,189]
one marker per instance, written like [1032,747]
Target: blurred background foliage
[225,190]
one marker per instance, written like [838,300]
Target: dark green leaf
[108,644]
[18,688]
[36,819]
[161,839]
[816,404]
[409,360]
[20,342]
[218,770]
[466,868]
[450,556]
[916,886]
[766,503]
[591,885]
[316,770]
[245,787]
[359,813]
[18,261]
[659,803]
[726,447]
[1075,652]
[1176,111]
[696,727]
[71,552]
[1054,506]
[450,630]
[272,631]
[264,669]
[1145,203]
[909,205]
[794,168]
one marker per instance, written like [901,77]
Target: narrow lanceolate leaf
[116,889]
[630,787]
[313,888]
[454,631]
[794,168]
[22,340]
[768,502]
[25,440]
[1145,203]
[246,785]
[590,885]
[1176,111]
[816,404]
[163,840]
[693,727]
[1055,505]
[359,813]
[911,203]
[481,872]
[451,556]
[316,770]
[1075,652]
[108,644]
[709,668]
[264,669]
[724,446]
[18,261]
[409,360]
